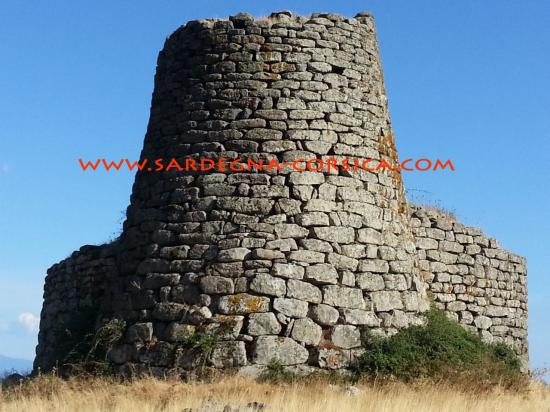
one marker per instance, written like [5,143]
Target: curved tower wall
[296,260]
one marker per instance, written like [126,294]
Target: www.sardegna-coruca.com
[225,164]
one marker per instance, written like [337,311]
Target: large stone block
[285,351]
[287,270]
[324,314]
[242,304]
[228,355]
[293,308]
[345,336]
[322,274]
[263,324]
[385,300]
[343,297]
[306,331]
[303,291]
[268,285]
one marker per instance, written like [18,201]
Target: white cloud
[29,321]
[4,168]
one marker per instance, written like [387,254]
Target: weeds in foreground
[276,372]
[84,351]
[50,393]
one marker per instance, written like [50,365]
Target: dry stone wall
[470,277]
[75,285]
[277,265]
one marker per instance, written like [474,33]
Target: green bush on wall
[441,348]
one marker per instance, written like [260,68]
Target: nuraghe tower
[278,265]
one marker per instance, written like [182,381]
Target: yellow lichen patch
[282,67]
[333,361]
[386,146]
[244,303]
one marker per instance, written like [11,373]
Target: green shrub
[440,349]
[196,342]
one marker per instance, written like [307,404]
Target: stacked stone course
[72,286]
[470,277]
[278,265]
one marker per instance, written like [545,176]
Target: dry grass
[53,394]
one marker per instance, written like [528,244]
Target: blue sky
[466,80]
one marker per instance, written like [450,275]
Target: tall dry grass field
[239,394]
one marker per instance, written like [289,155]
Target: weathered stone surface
[121,354]
[263,324]
[370,237]
[342,262]
[483,322]
[324,314]
[307,256]
[384,301]
[321,274]
[228,355]
[306,178]
[139,332]
[303,291]
[370,282]
[242,304]
[168,311]
[306,331]
[224,327]
[293,308]
[175,331]
[217,285]
[245,205]
[279,349]
[290,230]
[268,285]
[346,336]
[333,358]
[343,297]
[158,280]
[313,219]
[233,255]
[374,265]
[289,271]
[361,317]
[335,234]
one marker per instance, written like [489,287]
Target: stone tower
[294,261]
[279,265]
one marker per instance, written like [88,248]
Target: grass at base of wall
[48,393]
[441,349]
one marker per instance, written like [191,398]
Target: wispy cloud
[29,321]
[4,168]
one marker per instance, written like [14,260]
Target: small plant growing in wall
[81,349]
[197,344]
[106,337]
